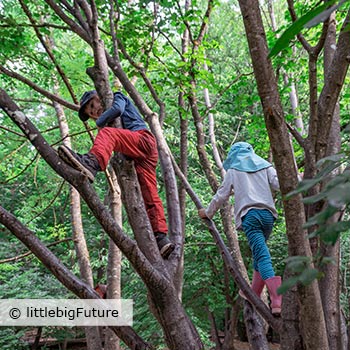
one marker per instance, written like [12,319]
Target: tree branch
[49,52]
[37,88]
[63,274]
[19,257]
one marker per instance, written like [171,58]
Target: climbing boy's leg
[109,140]
[146,173]
[86,163]
[164,244]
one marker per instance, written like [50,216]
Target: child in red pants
[134,141]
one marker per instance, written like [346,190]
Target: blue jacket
[122,107]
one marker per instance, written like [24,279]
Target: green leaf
[331,233]
[297,263]
[296,28]
[333,158]
[314,199]
[308,276]
[303,186]
[287,284]
[340,195]
[321,217]
[324,15]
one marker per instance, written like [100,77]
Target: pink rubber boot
[257,284]
[276,300]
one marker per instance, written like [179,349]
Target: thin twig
[19,257]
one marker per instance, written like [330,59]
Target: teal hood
[243,158]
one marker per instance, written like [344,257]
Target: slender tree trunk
[288,81]
[255,329]
[183,159]
[211,123]
[329,284]
[230,332]
[92,333]
[114,259]
[214,331]
[309,296]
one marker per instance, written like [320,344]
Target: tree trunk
[114,259]
[330,93]
[329,284]
[291,335]
[178,329]
[255,328]
[309,296]
[93,338]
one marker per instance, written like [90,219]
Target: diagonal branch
[62,273]
[49,51]
[37,88]
[82,32]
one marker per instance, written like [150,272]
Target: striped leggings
[257,224]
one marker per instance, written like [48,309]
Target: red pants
[142,148]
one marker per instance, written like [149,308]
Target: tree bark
[332,88]
[255,329]
[93,339]
[309,296]
[291,334]
[329,284]
[114,259]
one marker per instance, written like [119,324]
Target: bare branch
[296,135]
[300,37]
[11,131]
[49,52]
[74,27]
[37,88]
[20,257]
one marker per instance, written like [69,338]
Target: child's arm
[116,110]
[222,194]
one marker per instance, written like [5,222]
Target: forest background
[200,74]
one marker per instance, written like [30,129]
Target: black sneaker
[164,244]
[86,163]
